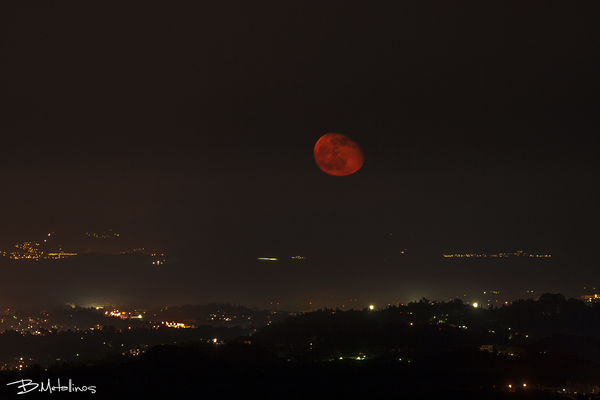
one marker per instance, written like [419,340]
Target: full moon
[338,155]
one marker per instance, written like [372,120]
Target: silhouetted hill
[582,347]
[186,372]
[423,350]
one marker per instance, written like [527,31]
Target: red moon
[338,155]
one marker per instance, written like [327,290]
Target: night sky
[189,129]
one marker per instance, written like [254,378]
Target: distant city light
[515,254]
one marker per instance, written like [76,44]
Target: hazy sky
[196,122]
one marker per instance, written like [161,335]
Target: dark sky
[193,126]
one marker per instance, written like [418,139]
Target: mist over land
[198,275]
